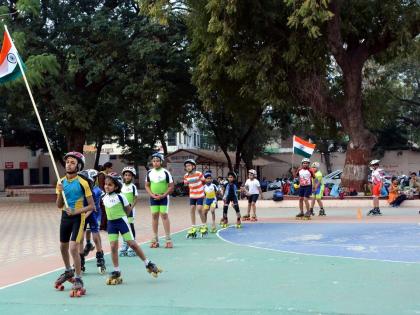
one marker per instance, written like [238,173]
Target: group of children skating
[86,195]
[83,203]
[90,194]
[311,184]
[311,187]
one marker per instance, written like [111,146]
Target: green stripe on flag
[301,152]
[12,76]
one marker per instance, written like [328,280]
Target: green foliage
[28,7]
[309,14]
[97,68]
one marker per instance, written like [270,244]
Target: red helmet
[79,157]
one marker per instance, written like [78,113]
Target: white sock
[116,268]
[146,262]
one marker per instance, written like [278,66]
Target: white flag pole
[39,119]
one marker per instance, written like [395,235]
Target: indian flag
[302,147]
[9,68]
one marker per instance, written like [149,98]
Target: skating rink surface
[264,268]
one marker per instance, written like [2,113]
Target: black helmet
[231,173]
[89,175]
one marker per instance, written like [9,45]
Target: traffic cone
[359,214]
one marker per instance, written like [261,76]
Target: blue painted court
[382,241]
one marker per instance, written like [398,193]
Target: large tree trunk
[362,141]
[99,145]
[228,159]
[327,156]
[162,140]
[76,140]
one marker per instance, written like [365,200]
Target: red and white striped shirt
[195,182]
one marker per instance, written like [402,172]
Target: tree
[353,32]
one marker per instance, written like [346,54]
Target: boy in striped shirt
[195,182]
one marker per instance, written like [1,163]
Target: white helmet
[374,162]
[315,165]
[306,160]
[130,169]
[253,172]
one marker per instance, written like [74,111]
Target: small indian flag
[302,147]
[9,68]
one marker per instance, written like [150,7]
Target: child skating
[305,176]
[93,219]
[253,191]
[317,190]
[229,197]
[159,185]
[117,208]
[210,202]
[377,182]
[129,190]
[195,182]
[76,191]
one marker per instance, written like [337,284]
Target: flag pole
[293,157]
[39,119]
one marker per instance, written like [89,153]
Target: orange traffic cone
[359,214]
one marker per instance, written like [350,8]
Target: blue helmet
[158,155]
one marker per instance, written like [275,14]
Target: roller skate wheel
[79,293]
[72,293]
[101,270]
[61,287]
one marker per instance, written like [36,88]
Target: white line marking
[48,272]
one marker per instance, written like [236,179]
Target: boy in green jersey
[159,184]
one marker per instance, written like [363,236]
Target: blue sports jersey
[75,190]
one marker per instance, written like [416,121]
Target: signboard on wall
[23,165]
[8,164]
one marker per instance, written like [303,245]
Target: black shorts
[253,198]
[305,191]
[230,199]
[71,228]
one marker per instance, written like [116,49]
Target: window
[195,140]
[171,138]
[112,156]
[33,176]
[185,138]
[46,175]
[179,138]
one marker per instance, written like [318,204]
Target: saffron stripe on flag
[303,142]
